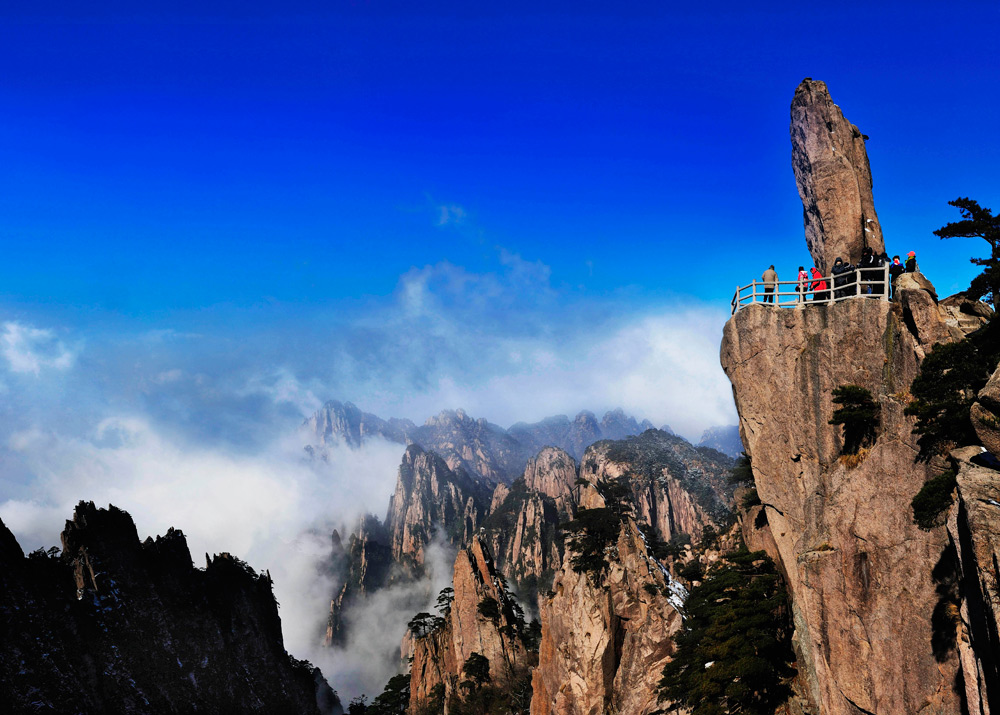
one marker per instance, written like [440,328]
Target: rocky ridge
[118,625]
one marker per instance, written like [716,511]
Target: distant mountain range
[482,448]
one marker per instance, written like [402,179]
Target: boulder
[985,414]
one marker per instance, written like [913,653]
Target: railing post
[857,282]
[831,295]
[754,299]
[885,283]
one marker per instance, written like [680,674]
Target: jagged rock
[974,527]
[856,565]
[438,658]
[430,498]
[552,472]
[499,495]
[339,422]
[677,488]
[985,414]
[922,314]
[965,314]
[833,177]
[603,648]
[115,625]
[365,566]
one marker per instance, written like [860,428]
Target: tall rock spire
[834,179]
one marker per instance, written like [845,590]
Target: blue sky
[268,187]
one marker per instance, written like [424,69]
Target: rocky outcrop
[858,569]
[337,423]
[363,567]
[118,625]
[552,472]
[470,627]
[430,498]
[603,647]
[833,177]
[985,414]
[974,527]
[676,488]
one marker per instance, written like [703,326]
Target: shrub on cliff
[933,499]
[592,534]
[734,654]
[950,378]
[859,414]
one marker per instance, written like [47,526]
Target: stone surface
[118,625]
[974,527]
[552,472]
[858,569]
[603,648]
[985,414]
[833,177]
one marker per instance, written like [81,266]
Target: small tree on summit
[978,222]
[859,414]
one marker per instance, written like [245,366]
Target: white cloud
[30,350]
[450,214]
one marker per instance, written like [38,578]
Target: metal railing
[864,282]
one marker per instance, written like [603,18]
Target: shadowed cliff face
[834,179]
[115,625]
[859,571]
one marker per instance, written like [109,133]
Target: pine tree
[859,414]
[978,222]
[734,653]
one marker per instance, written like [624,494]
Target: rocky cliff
[834,179]
[859,571]
[604,645]
[483,619]
[676,487]
[118,625]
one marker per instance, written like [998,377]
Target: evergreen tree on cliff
[978,222]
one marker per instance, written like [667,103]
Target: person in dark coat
[881,262]
[842,278]
[911,262]
[867,263]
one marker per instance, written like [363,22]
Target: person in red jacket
[818,286]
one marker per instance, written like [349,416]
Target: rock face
[115,625]
[858,569]
[430,498]
[833,177]
[522,529]
[677,488]
[603,647]
[985,414]
[974,527]
[439,657]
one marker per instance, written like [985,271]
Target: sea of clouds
[196,422]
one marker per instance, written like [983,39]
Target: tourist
[840,277]
[770,278]
[818,286]
[895,271]
[911,262]
[868,276]
[803,284]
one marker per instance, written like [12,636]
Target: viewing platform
[857,282]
